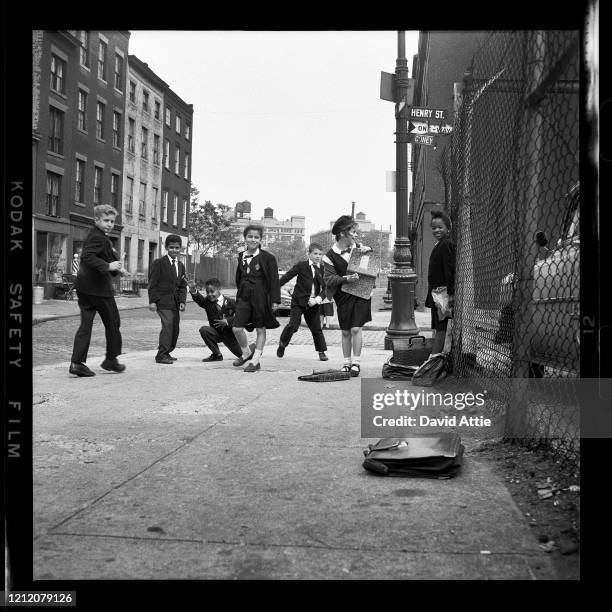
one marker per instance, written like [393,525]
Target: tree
[288,253]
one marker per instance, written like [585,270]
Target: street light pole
[402,276]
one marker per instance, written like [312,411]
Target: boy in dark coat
[220,311]
[167,296]
[99,263]
[307,296]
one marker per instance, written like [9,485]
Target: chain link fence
[512,183]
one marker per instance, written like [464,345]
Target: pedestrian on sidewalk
[307,296]
[167,297]
[257,296]
[220,311]
[441,273]
[94,287]
[353,311]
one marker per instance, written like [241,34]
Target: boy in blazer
[99,263]
[220,311]
[307,296]
[167,296]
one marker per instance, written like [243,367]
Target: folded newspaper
[367,266]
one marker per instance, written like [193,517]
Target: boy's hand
[192,286]
[153,307]
[311,302]
[181,306]
[220,322]
[114,265]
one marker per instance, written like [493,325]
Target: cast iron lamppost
[402,276]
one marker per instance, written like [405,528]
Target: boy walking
[99,263]
[306,299]
[167,296]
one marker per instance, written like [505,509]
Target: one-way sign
[417,127]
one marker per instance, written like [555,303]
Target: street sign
[434,128]
[387,86]
[446,128]
[420,112]
[391,181]
[417,127]
[423,139]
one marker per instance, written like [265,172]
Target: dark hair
[215,282]
[343,225]
[173,238]
[440,214]
[313,246]
[252,226]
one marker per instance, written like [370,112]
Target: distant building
[78,106]
[326,239]
[142,168]
[274,230]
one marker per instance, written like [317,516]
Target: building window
[184,213]
[175,210]
[118,72]
[82,110]
[54,184]
[186,167]
[79,193]
[56,130]
[84,48]
[117,129]
[157,109]
[58,71]
[177,159]
[139,265]
[168,113]
[131,126]
[187,131]
[145,100]
[142,199]
[178,124]
[154,207]
[133,92]
[156,149]
[166,153]
[100,108]
[130,195]
[115,190]
[97,185]
[127,244]
[144,145]
[102,60]
[164,206]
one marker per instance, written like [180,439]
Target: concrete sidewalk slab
[203,471]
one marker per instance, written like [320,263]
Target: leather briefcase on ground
[326,376]
[432,371]
[429,456]
[397,371]
[412,351]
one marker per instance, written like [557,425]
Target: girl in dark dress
[353,311]
[441,273]
[257,296]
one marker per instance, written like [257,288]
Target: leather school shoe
[80,369]
[213,357]
[280,351]
[355,369]
[112,365]
[252,368]
[173,358]
[323,356]
[241,361]
[166,360]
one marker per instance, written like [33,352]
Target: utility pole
[402,276]
[353,209]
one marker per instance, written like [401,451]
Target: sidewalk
[201,471]
[57,309]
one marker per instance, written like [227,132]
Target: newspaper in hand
[366,265]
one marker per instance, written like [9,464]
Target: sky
[287,120]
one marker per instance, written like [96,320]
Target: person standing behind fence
[167,297]
[99,263]
[353,311]
[257,296]
[441,273]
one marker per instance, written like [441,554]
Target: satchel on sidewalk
[326,376]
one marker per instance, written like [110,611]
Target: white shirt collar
[247,254]
[337,250]
[220,299]
[170,258]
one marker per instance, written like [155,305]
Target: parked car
[286,292]
[555,341]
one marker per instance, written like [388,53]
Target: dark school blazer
[228,309]
[441,272]
[165,289]
[94,277]
[269,268]
[303,284]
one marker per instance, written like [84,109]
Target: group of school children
[319,280]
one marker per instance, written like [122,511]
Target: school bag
[435,455]
[411,351]
[397,371]
[432,371]
[326,376]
